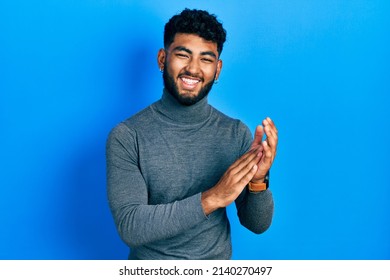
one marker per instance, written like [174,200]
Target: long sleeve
[138,222]
[254,210]
[159,161]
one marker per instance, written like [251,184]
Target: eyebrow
[181,48]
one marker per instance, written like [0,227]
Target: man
[174,167]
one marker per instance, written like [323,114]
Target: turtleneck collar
[173,111]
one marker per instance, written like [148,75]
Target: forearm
[232,183]
[141,224]
[255,210]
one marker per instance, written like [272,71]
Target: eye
[182,55]
[207,60]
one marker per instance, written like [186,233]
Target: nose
[193,66]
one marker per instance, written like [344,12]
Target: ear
[219,68]
[161,56]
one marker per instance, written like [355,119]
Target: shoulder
[140,119]
[235,124]
[133,123]
[126,130]
[238,129]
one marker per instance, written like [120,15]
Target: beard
[172,88]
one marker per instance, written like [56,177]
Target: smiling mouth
[190,82]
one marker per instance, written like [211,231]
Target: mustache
[189,74]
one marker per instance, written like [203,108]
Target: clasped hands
[267,148]
[253,166]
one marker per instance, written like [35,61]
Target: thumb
[258,136]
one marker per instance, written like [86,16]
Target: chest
[177,163]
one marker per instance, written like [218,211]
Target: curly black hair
[197,22]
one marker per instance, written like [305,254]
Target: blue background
[71,70]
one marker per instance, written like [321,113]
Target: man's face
[190,65]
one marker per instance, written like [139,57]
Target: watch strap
[259,187]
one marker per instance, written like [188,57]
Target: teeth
[190,81]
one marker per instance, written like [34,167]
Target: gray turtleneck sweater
[159,162]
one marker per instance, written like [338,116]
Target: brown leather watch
[259,187]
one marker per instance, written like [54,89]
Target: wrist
[259,184]
[209,202]
[258,180]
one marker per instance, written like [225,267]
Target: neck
[173,110]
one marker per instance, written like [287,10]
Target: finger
[272,138]
[272,124]
[248,176]
[244,158]
[257,147]
[247,163]
[259,132]
[271,132]
[268,155]
[248,171]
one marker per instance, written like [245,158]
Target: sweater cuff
[193,206]
[198,208]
